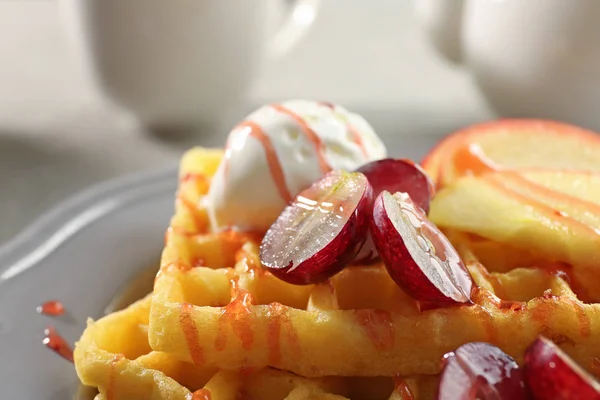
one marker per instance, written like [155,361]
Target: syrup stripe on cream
[356,138]
[255,131]
[227,156]
[309,133]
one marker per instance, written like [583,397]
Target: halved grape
[481,371]
[551,374]
[418,257]
[395,175]
[321,230]
[400,175]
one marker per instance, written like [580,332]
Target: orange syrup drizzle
[236,315]
[112,377]
[275,168]
[200,222]
[309,134]
[190,332]
[57,343]
[471,160]
[200,394]
[378,326]
[279,320]
[52,308]
[401,387]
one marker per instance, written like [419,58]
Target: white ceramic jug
[178,63]
[529,58]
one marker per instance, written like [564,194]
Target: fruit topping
[539,217]
[400,175]
[418,257]
[512,144]
[395,175]
[552,375]
[321,230]
[279,150]
[480,371]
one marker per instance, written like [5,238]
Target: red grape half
[551,374]
[321,230]
[481,371]
[395,175]
[418,257]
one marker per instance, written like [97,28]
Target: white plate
[82,254]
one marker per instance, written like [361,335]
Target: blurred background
[60,132]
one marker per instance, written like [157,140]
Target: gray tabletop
[58,135]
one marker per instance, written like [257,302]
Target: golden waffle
[560,226]
[218,326]
[214,306]
[113,355]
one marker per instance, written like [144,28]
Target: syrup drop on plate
[53,308]
[57,343]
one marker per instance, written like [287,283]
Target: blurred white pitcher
[177,63]
[534,58]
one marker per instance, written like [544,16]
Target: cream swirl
[279,150]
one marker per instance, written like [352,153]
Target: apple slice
[551,374]
[583,185]
[480,371]
[565,203]
[418,257]
[493,208]
[512,144]
[395,175]
[320,231]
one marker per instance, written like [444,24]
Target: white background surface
[58,136]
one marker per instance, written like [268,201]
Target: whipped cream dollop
[278,151]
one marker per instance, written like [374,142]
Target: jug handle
[442,23]
[300,16]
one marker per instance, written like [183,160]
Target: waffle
[214,305]
[114,356]
[218,323]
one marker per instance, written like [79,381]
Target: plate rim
[72,207]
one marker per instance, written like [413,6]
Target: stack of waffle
[219,326]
